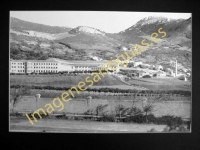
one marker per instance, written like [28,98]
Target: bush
[37,117]
[61,117]
[121,110]
[137,118]
[169,120]
[152,130]
[146,76]
[100,108]
[181,128]
[88,112]
[108,118]
[78,118]
[16,114]
[134,111]
[151,118]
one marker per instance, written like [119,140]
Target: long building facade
[54,65]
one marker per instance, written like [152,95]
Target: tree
[121,110]
[100,108]
[133,111]
[17,95]
[149,108]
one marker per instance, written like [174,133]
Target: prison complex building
[54,65]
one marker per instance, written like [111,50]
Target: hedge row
[112,90]
[61,72]
[173,122]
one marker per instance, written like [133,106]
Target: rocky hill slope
[36,41]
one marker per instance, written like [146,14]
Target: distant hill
[21,25]
[36,41]
[147,26]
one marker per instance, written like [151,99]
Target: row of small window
[17,70]
[45,67]
[35,63]
[38,71]
[45,63]
[18,63]
[81,67]
[17,67]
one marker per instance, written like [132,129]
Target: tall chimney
[176,69]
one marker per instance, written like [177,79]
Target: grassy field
[167,83]
[51,125]
[60,81]
[177,108]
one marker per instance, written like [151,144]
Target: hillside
[176,44]
[36,41]
[60,81]
[21,25]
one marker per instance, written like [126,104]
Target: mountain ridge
[33,41]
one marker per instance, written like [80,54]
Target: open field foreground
[177,108]
[167,83]
[66,126]
[109,81]
[60,81]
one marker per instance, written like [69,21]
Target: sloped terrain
[36,41]
[21,25]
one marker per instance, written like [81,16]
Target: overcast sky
[107,21]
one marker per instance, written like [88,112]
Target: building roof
[33,61]
[88,65]
[161,72]
[87,62]
[141,71]
[75,63]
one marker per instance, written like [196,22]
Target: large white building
[54,65]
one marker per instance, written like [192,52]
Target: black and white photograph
[100,72]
